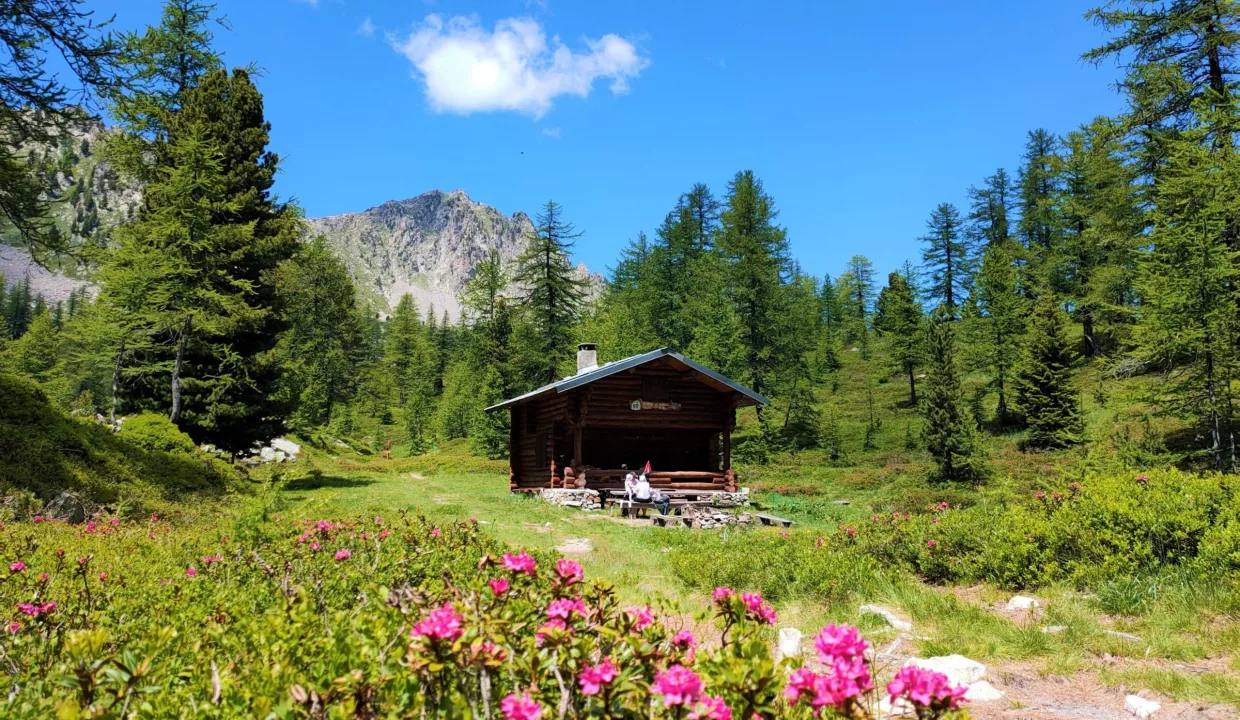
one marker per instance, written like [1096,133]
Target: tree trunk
[912,386]
[175,414]
[1087,329]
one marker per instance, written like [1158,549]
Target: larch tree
[1001,321]
[552,295]
[945,259]
[757,252]
[949,430]
[1049,400]
[898,319]
[39,100]
[990,210]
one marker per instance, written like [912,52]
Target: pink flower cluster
[519,563]
[564,608]
[36,609]
[593,678]
[926,688]
[711,708]
[678,685]
[17,567]
[842,650]
[569,571]
[499,586]
[643,617]
[443,623]
[757,608]
[520,707]
[343,554]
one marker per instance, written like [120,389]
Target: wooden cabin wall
[701,406]
[532,467]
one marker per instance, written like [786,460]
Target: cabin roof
[720,382]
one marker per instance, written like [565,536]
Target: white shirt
[642,489]
[629,481]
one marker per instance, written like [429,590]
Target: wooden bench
[772,520]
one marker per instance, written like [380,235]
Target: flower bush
[387,618]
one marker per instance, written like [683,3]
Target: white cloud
[552,132]
[367,28]
[467,68]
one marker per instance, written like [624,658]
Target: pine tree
[1048,396]
[35,353]
[831,439]
[552,295]
[990,210]
[945,259]
[1002,322]
[489,434]
[757,253]
[1038,184]
[948,432]
[898,318]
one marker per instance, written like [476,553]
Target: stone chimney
[587,357]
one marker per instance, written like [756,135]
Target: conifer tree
[990,210]
[35,353]
[757,253]
[945,259]
[1038,184]
[1002,322]
[1048,396]
[948,432]
[898,318]
[489,434]
[552,295]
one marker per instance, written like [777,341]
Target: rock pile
[730,500]
[585,499]
[708,518]
[278,451]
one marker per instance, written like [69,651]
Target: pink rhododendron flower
[819,543]
[17,566]
[15,627]
[499,586]
[436,532]
[800,682]
[926,688]
[839,641]
[103,576]
[642,617]
[520,707]
[489,651]
[550,627]
[569,571]
[38,518]
[684,638]
[593,678]
[931,543]
[564,608]
[678,685]
[315,546]
[519,563]
[443,623]
[378,521]
[43,576]
[851,532]
[114,521]
[721,594]
[343,554]
[757,608]
[211,559]
[35,609]
[191,572]
[711,708]
[383,534]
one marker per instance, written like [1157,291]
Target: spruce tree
[948,431]
[945,259]
[831,438]
[757,252]
[1002,322]
[898,318]
[1038,186]
[990,210]
[489,434]
[1048,396]
[552,296]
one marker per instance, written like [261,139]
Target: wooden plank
[772,520]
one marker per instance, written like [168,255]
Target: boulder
[1020,602]
[288,447]
[892,619]
[958,668]
[267,454]
[1140,707]
[982,691]
[68,507]
[789,642]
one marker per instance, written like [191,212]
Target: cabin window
[654,389]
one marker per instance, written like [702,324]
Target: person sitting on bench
[643,494]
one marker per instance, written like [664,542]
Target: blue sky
[858,117]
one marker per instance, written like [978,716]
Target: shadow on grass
[317,481]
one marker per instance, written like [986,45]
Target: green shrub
[156,433]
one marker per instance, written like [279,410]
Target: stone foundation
[731,499]
[570,497]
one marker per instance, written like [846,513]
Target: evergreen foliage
[552,294]
[946,259]
[949,432]
[1049,399]
[898,319]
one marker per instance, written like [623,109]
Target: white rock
[892,619]
[982,691]
[1140,707]
[790,642]
[1020,602]
[958,668]
[267,454]
[281,456]
[901,708]
[289,447]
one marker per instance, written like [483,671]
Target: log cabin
[657,407]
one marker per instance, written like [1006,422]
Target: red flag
[646,470]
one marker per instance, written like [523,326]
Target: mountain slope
[427,246]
